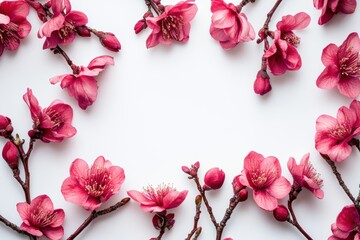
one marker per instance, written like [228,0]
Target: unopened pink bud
[109,41]
[237,186]
[281,213]
[214,179]
[83,31]
[11,155]
[262,83]
[139,26]
[243,195]
[4,122]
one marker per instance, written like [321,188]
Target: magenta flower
[172,25]
[214,179]
[342,67]
[13,24]
[61,28]
[306,176]
[347,226]
[82,83]
[51,124]
[331,7]
[91,187]
[263,176]
[289,23]
[282,56]
[333,134]
[229,26]
[40,218]
[158,200]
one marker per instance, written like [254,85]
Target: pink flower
[289,23]
[172,24]
[82,83]
[306,176]
[214,179]
[51,124]
[347,226]
[229,26]
[342,67]
[331,7]
[262,83]
[61,28]
[158,200]
[13,24]
[11,155]
[91,187]
[282,56]
[333,134]
[263,176]
[39,217]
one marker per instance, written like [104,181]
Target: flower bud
[214,179]
[262,83]
[281,213]
[237,186]
[243,195]
[83,31]
[109,41]
[11,155]
[139,26]
[4,123]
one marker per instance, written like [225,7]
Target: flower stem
[293,221]
[94,214]
[264,31]
[242,4]
[154,6]
[339,178]
[59,50]
[13,226]
[196,230]
[232,204]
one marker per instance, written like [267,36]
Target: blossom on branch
[263,176]
[331,7]
[82,83]
[61,28]
[173,24]
[306,176]
[91,187]
[342,67]
[13,24]
[214,179]
[51,124]
[158,199]
[347,225]
[40,218]
[229,26]
[334,134]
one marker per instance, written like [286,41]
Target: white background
[161,108]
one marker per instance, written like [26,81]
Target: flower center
[171,26]
[311,173]
[65,30]
[261,179]
[9,33]
[291,38]
[350,64]
[41,218]
[97,182]
[159,193]
[56,119]
[340,132]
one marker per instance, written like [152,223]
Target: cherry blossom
[158,199]
[214,179]
[334,134]
[91,187]
[331,7]
[40,218]
[347,225]
[172,25]
[61,28]
[263,176]
[13,24]
[229,26]
[342,67]
[82,83]
[305,175]
[51,124]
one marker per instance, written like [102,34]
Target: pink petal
[329,55]
[53,233]
[99,63]
[30,229]
[84,89]
[252,161]
[44,201]
[174,199]
[91,204]
[140,198]
[222,19]
[329,77]
[23,210]
[152,208]
[349,86]
[4,19]
[73,192]
[265,200]
[77,18]
[348,219]
[50,26]
[347,6]
[340,152]
[280,188]
[59,219]
[271,165]
[15,9]
[79,169]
